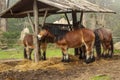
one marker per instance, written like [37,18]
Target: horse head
[44,33]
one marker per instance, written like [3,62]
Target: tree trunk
[36,22]
[3,21]
[100,16]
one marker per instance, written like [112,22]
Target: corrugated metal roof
[22,7]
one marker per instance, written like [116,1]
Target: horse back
[28,40]
[105,34]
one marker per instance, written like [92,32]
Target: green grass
[52,51]
[116,51]
[101,77]
[18,53]
[11,54]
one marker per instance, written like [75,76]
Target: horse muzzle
[39,37]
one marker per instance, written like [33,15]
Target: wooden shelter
[22,7]
[36,8]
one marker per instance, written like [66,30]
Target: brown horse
[105,37]
[29,46]
[73,39]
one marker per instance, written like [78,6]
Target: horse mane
[56,30]
[79,25]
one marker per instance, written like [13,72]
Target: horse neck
[49,34]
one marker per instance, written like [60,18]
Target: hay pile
[30,65]
[25,65]
[5,67]
[51,63]
[54,63]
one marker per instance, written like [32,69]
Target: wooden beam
[31,11]
[68,22]
[36,22]
[11,11]
[74,17]
[81,17]
[31,22]
[44,18]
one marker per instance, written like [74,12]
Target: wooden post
[7,3]
[81,17]
[36,22]
[31,22]
[74,17]
[44,18]
[68,22]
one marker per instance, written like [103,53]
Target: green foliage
[9,38]
[15,25]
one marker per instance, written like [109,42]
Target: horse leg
[107,48]
[82,52]
[65,55]
[44,55]
[44,47]
[111,48]
[104,50]
[89,53]
[110,52]
[30,52]
[76,51]
[25,54]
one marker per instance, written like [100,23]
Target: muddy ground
[54,69]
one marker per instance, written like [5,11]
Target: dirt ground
[54,69]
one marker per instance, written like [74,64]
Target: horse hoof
[30,59]
[106,56]
[93,59]
[62,60]
[88,61]
[65,60]
[44,59]
[80,57]
[102,55]
[110,56]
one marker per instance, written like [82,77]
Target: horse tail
[97,43]
[112,47]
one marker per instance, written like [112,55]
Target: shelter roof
[22,7]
